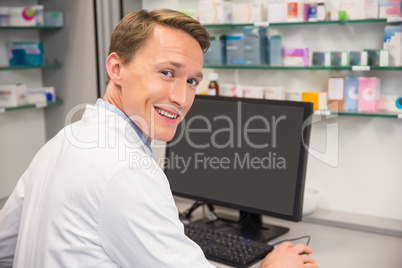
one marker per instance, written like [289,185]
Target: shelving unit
[307,68]
[35,28]
[303,23]
[31,106]
[360,69]
[54,65]
[44,66]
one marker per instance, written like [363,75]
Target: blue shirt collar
[112,108]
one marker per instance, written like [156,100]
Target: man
[92,196]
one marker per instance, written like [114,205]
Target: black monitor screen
[247,154]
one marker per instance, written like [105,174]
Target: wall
[367,179]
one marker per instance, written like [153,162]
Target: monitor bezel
[302,167]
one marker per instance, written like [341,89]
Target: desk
[333,247]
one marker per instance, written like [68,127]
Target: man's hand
[287,255]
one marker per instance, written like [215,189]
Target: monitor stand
[249,225]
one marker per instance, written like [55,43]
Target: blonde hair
[132,32]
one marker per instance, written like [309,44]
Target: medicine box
[351,93]
[339,58]
[231,90]
[355,58]
[235,53]
[53,18]
[274,93]
[13,95]
[296,56]
[369,94]
[40,95]
[292,95]
[389,8]
[246,13]
[22,16]
[255,45]
[335,93]
[25,53]
[275,50]
[391,103]
[216,54]
[214,12]
[253,92]
[277,11]
[319,99]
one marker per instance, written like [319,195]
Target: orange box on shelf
[319,99]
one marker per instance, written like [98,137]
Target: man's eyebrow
[179,65]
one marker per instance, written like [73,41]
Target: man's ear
[113,68]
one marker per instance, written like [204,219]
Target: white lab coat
[94,197]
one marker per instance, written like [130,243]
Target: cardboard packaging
[276,11]
[231,90]
[255,45]
[296,56]
[25,53]
[235,52]
[319,99]
[351,86]
[53,18]
[321,59]
[335,93]
[253,92]
[389,8]
[275,50]
[216,54]
[391,103]
[274,93]
[246,13]
[369,94]
[293,95]
[40,95]
[339,58]
[214,12]
[13,95]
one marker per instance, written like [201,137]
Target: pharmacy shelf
[23,67]
[41,28]
[382,114]
[309,68]
[31,106]
[303,23]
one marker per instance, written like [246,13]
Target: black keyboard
[227,248]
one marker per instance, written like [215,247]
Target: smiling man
[82,202]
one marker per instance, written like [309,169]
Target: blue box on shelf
[25,53]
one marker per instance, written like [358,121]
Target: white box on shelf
[231,90]
[391,103]
[214,12]
[274,93]
[293,95]
[22,16]
[253,92]
[276,11]
[247,13]
[13,95]
[40,95]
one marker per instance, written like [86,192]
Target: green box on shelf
[25,53]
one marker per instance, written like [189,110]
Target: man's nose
[179,93]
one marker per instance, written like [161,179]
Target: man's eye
[167,73]
[192,82]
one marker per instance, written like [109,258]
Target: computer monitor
[245,154]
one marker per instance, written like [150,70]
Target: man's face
[158,86]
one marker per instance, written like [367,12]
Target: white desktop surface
[333,247]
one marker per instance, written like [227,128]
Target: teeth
[166,114]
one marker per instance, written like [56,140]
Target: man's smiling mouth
[166,113]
